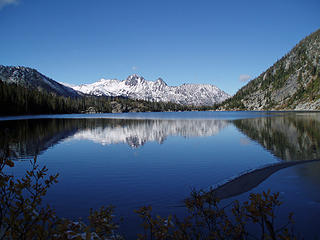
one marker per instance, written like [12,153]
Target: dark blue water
[135,159]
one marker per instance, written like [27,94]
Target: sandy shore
[250,180]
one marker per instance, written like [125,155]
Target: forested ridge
[17,100]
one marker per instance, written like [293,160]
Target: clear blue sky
[216,42]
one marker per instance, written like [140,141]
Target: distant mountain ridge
[32,79]
[137,87]
[134,87]
[292,83]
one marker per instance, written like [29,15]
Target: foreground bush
[207,219]
[22,215]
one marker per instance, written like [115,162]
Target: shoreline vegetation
[22,215]
[16,100]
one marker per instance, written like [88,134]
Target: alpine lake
[131,160]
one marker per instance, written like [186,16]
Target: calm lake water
[135,159]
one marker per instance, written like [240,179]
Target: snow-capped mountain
[137,87]
[32,79]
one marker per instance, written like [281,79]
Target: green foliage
[234,103]
[311,92]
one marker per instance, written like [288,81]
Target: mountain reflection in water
[136,133]
[289,136]
[29,137]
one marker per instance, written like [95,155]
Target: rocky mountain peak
[134,80]
[161,82]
